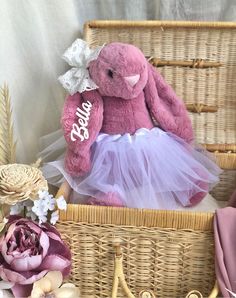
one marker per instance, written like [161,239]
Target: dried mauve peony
[29,251]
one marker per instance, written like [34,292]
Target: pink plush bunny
[115,154]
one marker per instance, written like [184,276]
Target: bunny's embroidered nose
[132,80]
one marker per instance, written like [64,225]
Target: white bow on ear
[78,55]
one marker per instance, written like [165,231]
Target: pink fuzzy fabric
[166,107]
[118,107]
[110,199]
[77,159]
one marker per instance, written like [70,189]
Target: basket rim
[202,221]
[92,24]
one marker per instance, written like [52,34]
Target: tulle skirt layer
[150,169]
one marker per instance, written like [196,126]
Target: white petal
[56,279]
[42,219]
[66,292]
[68,285]
[61,203]
[16,209]
[54,217]
[42,193]
[51,203]
[5,294]
[39,208]
[5,285]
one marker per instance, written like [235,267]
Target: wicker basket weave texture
[163,252]
[212,86]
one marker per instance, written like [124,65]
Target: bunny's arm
[79,139]
[167,109]
[92,123]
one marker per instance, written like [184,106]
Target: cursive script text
[80,131]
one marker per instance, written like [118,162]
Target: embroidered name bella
[80,131]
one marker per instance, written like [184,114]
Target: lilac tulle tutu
[150,169]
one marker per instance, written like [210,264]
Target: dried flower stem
[1,213]
[7,144]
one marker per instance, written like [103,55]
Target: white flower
[47,200]
[42,194]
[43,207]
[54,217]
[49,203]
[42,219]
[61,203]
[38,208]
[16,209]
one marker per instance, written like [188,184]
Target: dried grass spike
[37,163]
[7,144]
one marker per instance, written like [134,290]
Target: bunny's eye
[110,73]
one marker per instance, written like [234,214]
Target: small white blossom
[16,209]
[42,219]
[38,208]
[61,203]
[47,200]
[54,217]
[49,203]
[42,194]
[42,208]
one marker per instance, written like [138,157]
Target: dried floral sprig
[51,286]
[19,182]
[7,143]
[44,208]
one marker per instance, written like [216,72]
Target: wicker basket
[121,252]
[159,253]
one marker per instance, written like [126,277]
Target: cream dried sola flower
[19,182]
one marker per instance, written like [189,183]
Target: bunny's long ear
[165,107]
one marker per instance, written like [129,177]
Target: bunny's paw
[109,199]
[77,165]
[203,186]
